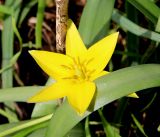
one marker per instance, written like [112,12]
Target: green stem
[7,115]
[40,15]
[28,124]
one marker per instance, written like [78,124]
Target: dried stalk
[61,24]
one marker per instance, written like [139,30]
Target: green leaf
[109,88]
[6,10]
[20,94]
[138,125]
[110,130]
[26,125]
[95,20]
[30,129]
[148,8]
[87,130]
[44,108]
[39,22]
[134,28]
[77,131]
[26,10]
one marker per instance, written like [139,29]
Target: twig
[61,24]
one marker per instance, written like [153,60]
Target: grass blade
[134,28]
[95,20]
[148,8]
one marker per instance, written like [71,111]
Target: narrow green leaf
[138,125]
[158,129]
[7,115]
[158,25]
[38,133]
[148,8]
[134,28]
[10,94]
[109,88]
[77,131]
[87,130]
[95,20]
[39,22]
[26,10]
[108,128]
[25,125]
[150,102]
[132,40]
[28,130]
[7,50]
[5,10]
[44,108]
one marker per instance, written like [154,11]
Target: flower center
[79,69]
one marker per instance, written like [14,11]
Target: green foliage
[99,18]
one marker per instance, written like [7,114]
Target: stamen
[66,67]
[88,61]
[89,72]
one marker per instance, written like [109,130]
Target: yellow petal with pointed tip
[133,95]
[81,96]
[101,52]
[74,44]
[54,91]
[54,64]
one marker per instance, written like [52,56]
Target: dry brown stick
[61,24]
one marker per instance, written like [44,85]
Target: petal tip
[69,23]
[133,95]
[30,100]
[116,34]
[31,52]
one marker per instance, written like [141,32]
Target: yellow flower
[74,72]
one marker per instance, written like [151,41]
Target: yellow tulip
[76,71]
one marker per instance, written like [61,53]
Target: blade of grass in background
[39,22]
[109,88]
[7,50]
[121,107]
[132,46]
[134,28]
[25,125]
[132,40]
[148,8]
[95,20]
[6,10]
[109,130]
[87,130]
[138,125]
[26,10]
[29,130]
[10,94]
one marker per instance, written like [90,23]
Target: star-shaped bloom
[76,71]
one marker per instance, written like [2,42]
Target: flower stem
[25,125]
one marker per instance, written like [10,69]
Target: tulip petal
[54,91]
[74,44]
[81,96]
[101,52]
[55,65]
[133,95]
